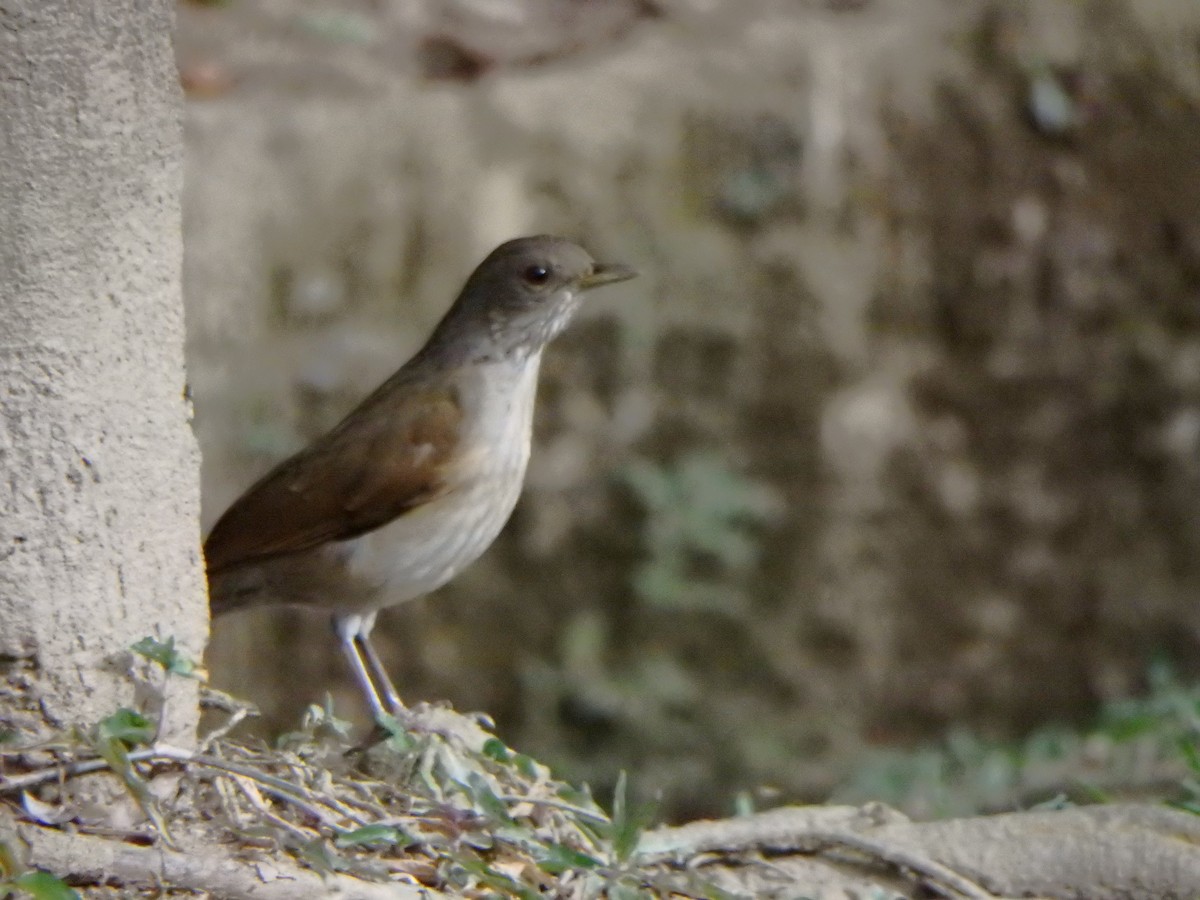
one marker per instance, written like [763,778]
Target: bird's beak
[606,273]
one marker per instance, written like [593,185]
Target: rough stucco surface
[99,499]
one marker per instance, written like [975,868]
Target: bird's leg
[348,630]
[379,675]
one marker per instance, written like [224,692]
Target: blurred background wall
[898,431]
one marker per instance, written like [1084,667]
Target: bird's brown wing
[387,457]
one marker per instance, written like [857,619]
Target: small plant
[1137,745]
[701,522]
[34,883]
[165,654]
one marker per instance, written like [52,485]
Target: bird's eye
[537,274]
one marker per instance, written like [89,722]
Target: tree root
[213,870]
[1097,852]
[1116,852]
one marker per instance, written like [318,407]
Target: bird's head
[524,293]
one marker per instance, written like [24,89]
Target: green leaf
[488,803]
[400,740]
[576,796]
[625,832]
[321,857]
[526,765]
[1190,750]
[347,27]
[127,726]
[627,823]
[743,804]
[494,748]
[377,835]
[560,858]
[1187,806]
[1094,793]
[662,584]
[113,751]
[44,886]
[1131,724]
[165,654]
[653,486]
[497,880]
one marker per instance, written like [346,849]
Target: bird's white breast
[425,548]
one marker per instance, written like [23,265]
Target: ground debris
[439,807]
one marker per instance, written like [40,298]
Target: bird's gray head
[522,295]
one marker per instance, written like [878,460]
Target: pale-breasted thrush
[418,480]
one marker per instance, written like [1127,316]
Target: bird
[418,480]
